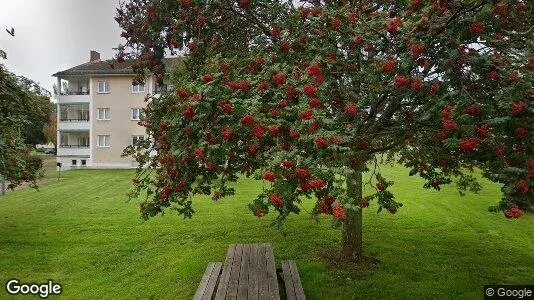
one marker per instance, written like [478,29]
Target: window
[74,163]
[83,141]
[103,113]
[136,113]
[103,86]
[138,87]
[83,115]
[103,141]
[137,138]
[164,88]
[84,162]
[64,139]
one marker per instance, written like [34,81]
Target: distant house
[99,112]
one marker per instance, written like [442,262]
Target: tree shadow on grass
[335,259]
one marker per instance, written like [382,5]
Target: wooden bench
[249,272]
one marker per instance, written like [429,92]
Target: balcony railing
[74,120]
[75,93]
[73,146]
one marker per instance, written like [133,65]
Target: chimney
[94,56]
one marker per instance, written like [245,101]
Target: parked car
[50,151]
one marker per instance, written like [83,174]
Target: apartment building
[98,112]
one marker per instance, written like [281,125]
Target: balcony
[158,89]
[74,125]
[74,117]
[73,150]
[74,98]
[75,93]
[74,143]
[74,90]
[162,89]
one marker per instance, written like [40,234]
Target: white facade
[74,124]
[98,113]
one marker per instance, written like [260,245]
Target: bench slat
[208,282]
[290,290]
[210,289]
[225,276]
[292,281]
[253,273]
[274,292]
[233,282]
[297,284]
[242,290]
[263,288]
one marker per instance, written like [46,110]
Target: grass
[83,233]
[49,167]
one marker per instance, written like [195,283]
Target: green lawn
[49,165]
[82,233]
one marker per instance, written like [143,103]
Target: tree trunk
[351,240]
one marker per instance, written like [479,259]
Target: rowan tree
[306,95]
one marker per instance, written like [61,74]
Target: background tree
[307,96]
[17,107]
[40,113]
[19,103]
[50,130]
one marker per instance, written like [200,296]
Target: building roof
[108,67]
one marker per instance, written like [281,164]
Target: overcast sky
[54,35]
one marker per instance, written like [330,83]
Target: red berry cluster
[482,130]
[189,112]
[517,108]
[416,85]
[336,23]
[269,176]
[476,27]
[247,120]
[513,213]
[468,144]
[302,173]
[279,78]
[226,106]
[450,125]
[473,110]
[523,186]
[380,186]
[521,132]
[275,200]
[258,131]
[306,114]
[339,212]
[321,142]
[351,109]
[388,66]
[316,183]
[394,24]
[400,81]
[227,133]
[309,90]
